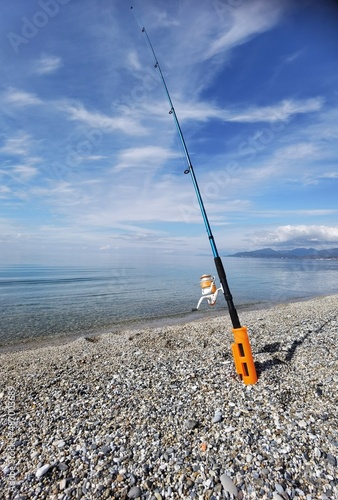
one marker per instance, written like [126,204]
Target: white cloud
[94,157]
[17,145]
[279,112]
[20,98]
[4,190]
[103,122]
[299,235]
[48,64]
[294,56]
[282,111]
[133,60]
[297,151]
[145,157]
[24,172]
[166,21]
[246,20]
[317,177]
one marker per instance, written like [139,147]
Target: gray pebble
[331,459]
[191,424]
[279,488]
[105,450]
[228,484]
[134,492]
[132,479]
[218,417]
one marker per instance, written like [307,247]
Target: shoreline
[179,319]
[160,413]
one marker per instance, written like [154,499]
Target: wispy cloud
[24,172]
[144,157]
[47,65]
[281,111]
[247,20]
[317,177]
[99,120]
[18,145]
[20,98]
[294,56]
[133,60]
[297,151]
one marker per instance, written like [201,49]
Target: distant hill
[297,253]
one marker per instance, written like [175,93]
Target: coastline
[30,343]
[160,413]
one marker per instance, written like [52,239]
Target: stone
[191,424]
[132,479]
[134,492]
[41,471]
[228,484]
[105,450]
[279,488]
[62,484]
[331,459]
[218,417]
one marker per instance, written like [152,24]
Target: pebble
[94,421]
[277,497]
[134,492]
[218,417]
[62,484]
[331,459]
[41,471]
[191,424]
[228,484]
[279,488]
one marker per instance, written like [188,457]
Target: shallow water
[41,301]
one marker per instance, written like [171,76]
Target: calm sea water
[43,302]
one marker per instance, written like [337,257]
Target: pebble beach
[161,413]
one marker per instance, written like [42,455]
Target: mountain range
[297,253]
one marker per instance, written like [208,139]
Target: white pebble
[42,470]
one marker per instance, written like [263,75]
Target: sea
[53,303]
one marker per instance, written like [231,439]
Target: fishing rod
[241,350]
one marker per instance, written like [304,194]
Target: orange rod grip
[241,350]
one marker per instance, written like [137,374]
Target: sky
[91,165]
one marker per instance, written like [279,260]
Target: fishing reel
[209,290]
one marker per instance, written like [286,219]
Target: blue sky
[91,168]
